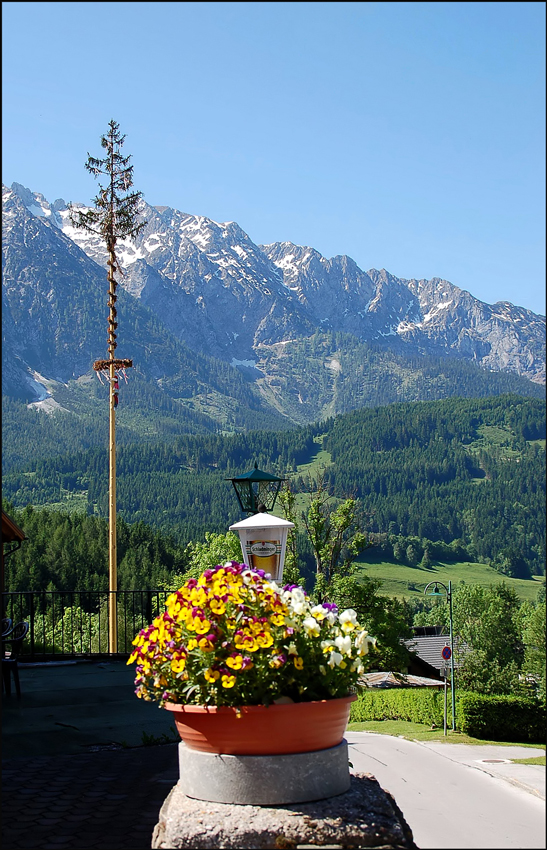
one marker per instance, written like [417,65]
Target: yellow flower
[234,661]
[278,619]
[198,596]
[298,662]
[178,665]
[192,643]
[264,640]
[205,645]
[228,681]
[201,626]
[246,642]
[211,675]
[217,606]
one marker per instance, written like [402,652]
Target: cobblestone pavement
[109,799]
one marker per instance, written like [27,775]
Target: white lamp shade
[263,542]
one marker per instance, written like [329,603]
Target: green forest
[457,479]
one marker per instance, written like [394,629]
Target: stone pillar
[363,816]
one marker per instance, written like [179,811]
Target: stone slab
[365,816]
[264,780]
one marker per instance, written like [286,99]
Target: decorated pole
[113,217]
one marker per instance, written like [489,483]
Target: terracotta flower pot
[299,727]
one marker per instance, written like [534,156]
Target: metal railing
[74,624]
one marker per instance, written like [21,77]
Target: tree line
[457,477]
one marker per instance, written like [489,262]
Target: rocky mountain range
[200,292]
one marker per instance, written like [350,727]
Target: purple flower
[289,587]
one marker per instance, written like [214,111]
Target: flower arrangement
[233,638]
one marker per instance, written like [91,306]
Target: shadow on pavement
[74,773]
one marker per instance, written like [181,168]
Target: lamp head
[436,592]
[256,490]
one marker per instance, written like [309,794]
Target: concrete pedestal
[264,780]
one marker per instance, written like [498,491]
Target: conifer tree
[113,217]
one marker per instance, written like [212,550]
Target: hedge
[493,718]
[419,705]
[501,718]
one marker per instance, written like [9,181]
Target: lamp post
[263,537]
[448,593]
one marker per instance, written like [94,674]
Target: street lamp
[256,490]
[448,593]
[263,537]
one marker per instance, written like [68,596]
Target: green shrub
[418,705]
[501,718]
[492,718]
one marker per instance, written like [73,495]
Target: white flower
[348,620]
[311,627]
[292,650]
[326,645]
[363,641]
[335,659]
[297,600]
[343,644]
[319,612]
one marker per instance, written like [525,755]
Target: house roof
[398,680]
[430,647]
[10,530]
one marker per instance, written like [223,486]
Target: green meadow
[404,581]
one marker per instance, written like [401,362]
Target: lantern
[256,490]
[263,542]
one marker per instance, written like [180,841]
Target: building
[11,534]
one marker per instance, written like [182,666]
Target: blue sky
[410,136]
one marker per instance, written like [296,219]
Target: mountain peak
[225,296]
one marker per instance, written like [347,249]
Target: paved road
[448,803]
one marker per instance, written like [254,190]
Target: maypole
[114,217]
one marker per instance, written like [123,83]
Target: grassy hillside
[400,580]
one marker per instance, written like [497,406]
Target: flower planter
[300,727]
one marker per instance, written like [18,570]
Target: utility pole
[114,217]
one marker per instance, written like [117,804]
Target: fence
[75,623]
